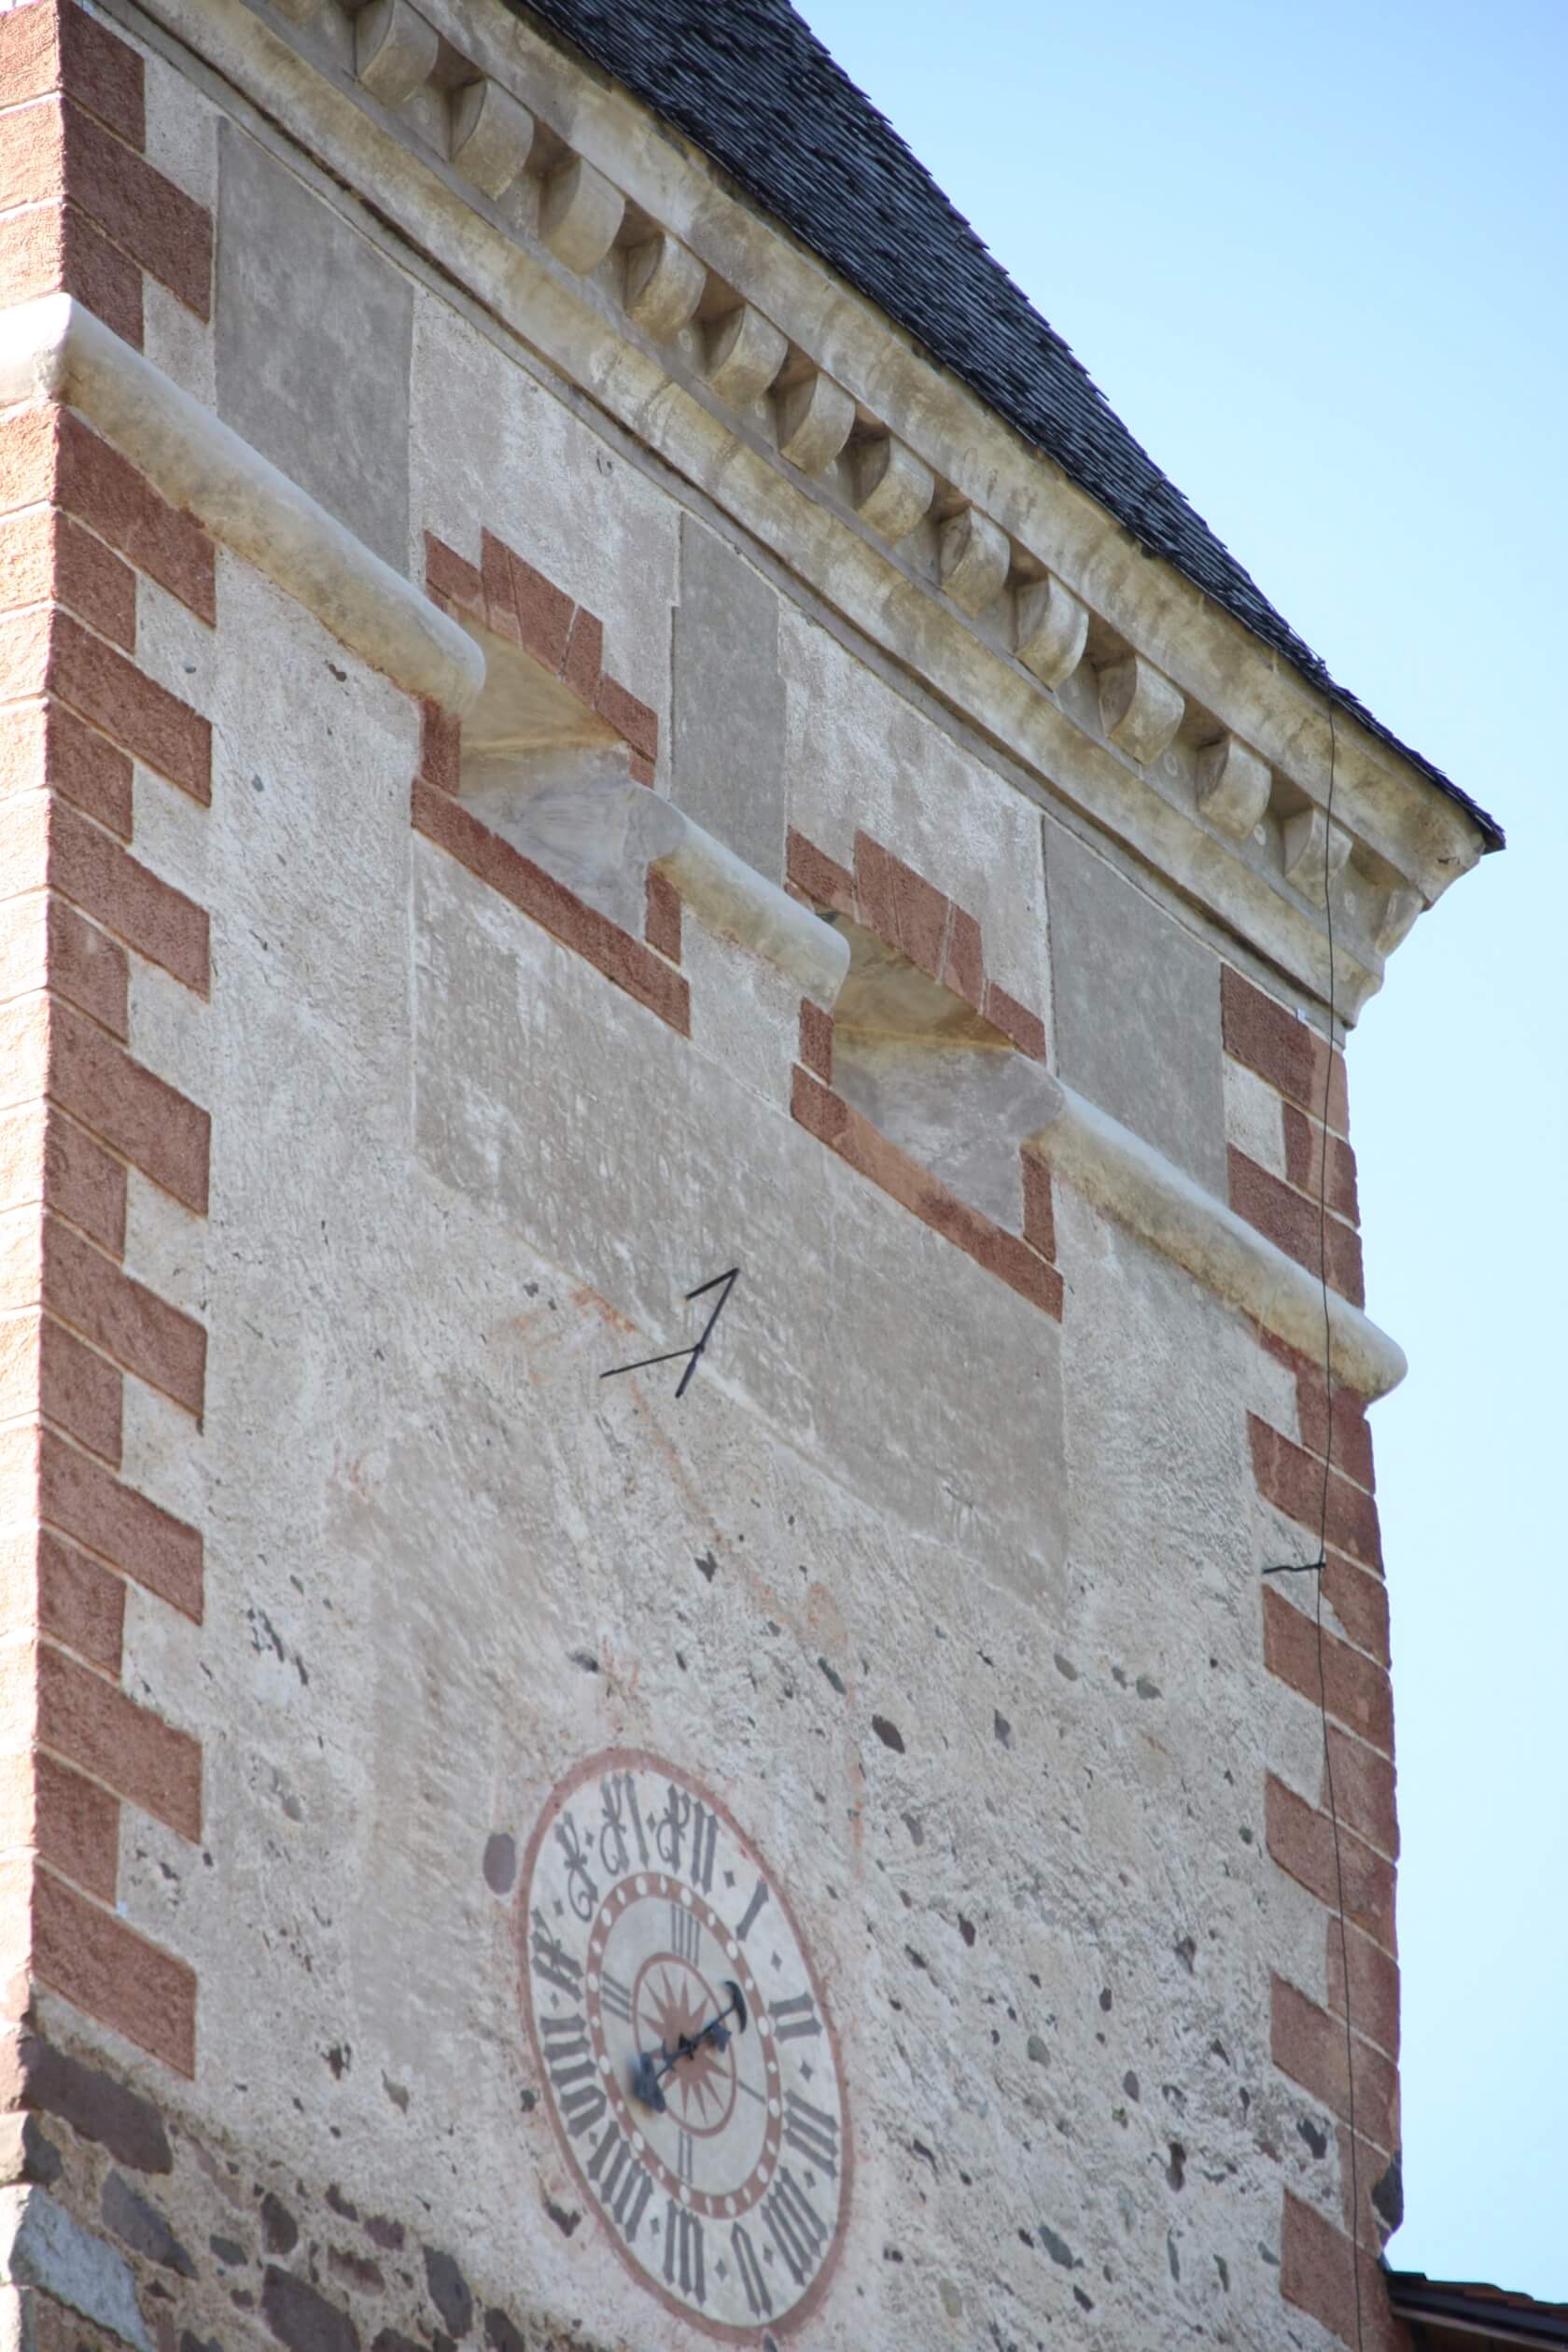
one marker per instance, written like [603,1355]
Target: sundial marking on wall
[672,1355]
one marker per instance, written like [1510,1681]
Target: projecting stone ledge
[1131,1182]
[52,349]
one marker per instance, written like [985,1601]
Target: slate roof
[1453,2317]
[748,81]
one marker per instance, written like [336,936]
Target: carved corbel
[1138,707]
[489,136]
[814,420]
[1233,786]
[891,488]
[579,215]
[745,352]
[394,50]
[973,557]
[1315,853]
[1051,628]
[664,285]
[1399,911]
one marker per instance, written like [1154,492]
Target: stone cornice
[890,490]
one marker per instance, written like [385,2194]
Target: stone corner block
[745,352]
[1233,786]
[1398,917]
[395,50]
[580,214]
[973,557]
[42,2245]
[491,135]
[891,488]
[664,285]
[1140,708]
[814,419]
[1051,628]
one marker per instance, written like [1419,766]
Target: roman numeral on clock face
[615,1999]
[622,2182]
[796,2018]
[795,2227]
[812,2132]
[685,1934]
[552,1960]
[759,2301]
[573,2075]
[759,1897]
[683,2252]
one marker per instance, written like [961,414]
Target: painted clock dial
[689,2064]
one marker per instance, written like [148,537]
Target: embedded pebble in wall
[500,1862]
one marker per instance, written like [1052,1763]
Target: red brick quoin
[81,209]
[899,907]
[506,596]
[1347,1678]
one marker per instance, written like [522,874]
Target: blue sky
[1317,261]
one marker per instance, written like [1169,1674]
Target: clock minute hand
[648,2075]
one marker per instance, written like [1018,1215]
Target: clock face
[689,2064]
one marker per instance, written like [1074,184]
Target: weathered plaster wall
[456,1173]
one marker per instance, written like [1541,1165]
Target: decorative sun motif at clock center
[672,2005]
[691,2072]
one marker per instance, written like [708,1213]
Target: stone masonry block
[314,334]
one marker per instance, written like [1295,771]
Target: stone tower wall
[388,1052]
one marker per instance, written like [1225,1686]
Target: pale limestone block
[891,488]
[973,556]
[1139,709]
[165,1244]
[745,352]
[1051,628]
[1254,1121]
[1400,909]
[394,50]
[1313,853]
[489,136]
[579,215]
[1233,786]
[664,285]
[298,12]
[814,418]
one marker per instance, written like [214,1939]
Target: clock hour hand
[649,2073]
